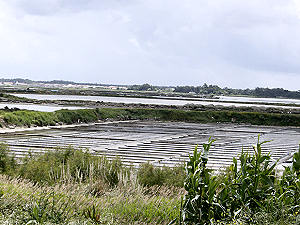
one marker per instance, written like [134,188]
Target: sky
[230,43]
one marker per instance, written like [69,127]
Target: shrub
[75,116]
[28,118]
[149,175]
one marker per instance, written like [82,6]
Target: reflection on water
[263,100]
[157,101]
[43,108]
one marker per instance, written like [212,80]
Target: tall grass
[69,165]
[23,201]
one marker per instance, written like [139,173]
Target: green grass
[30,118]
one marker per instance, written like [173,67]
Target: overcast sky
[234,43]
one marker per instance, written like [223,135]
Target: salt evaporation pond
[160,143]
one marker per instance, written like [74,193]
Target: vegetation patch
[29,118]
[34,118]
[71,186]
[274,119]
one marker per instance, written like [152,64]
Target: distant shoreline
[251,106]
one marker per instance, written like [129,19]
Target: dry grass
[124,204]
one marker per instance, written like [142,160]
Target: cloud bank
[234,43]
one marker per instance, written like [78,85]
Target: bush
[28,118]
[75,116]
[148,175]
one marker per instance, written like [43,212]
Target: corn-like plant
[245,188]
[255,179]
[248,186]
[200,202]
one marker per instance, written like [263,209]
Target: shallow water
[36,107]
[154,101]
[262,100]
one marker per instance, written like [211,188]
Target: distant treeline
[64,82]
[257,92]
[200,90]
[216,90]
[144,87]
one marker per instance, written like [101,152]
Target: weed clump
[69,165]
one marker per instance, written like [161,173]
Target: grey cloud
[161,42]
[243,34]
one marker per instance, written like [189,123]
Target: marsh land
[88,159]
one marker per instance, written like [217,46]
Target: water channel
[162,101]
